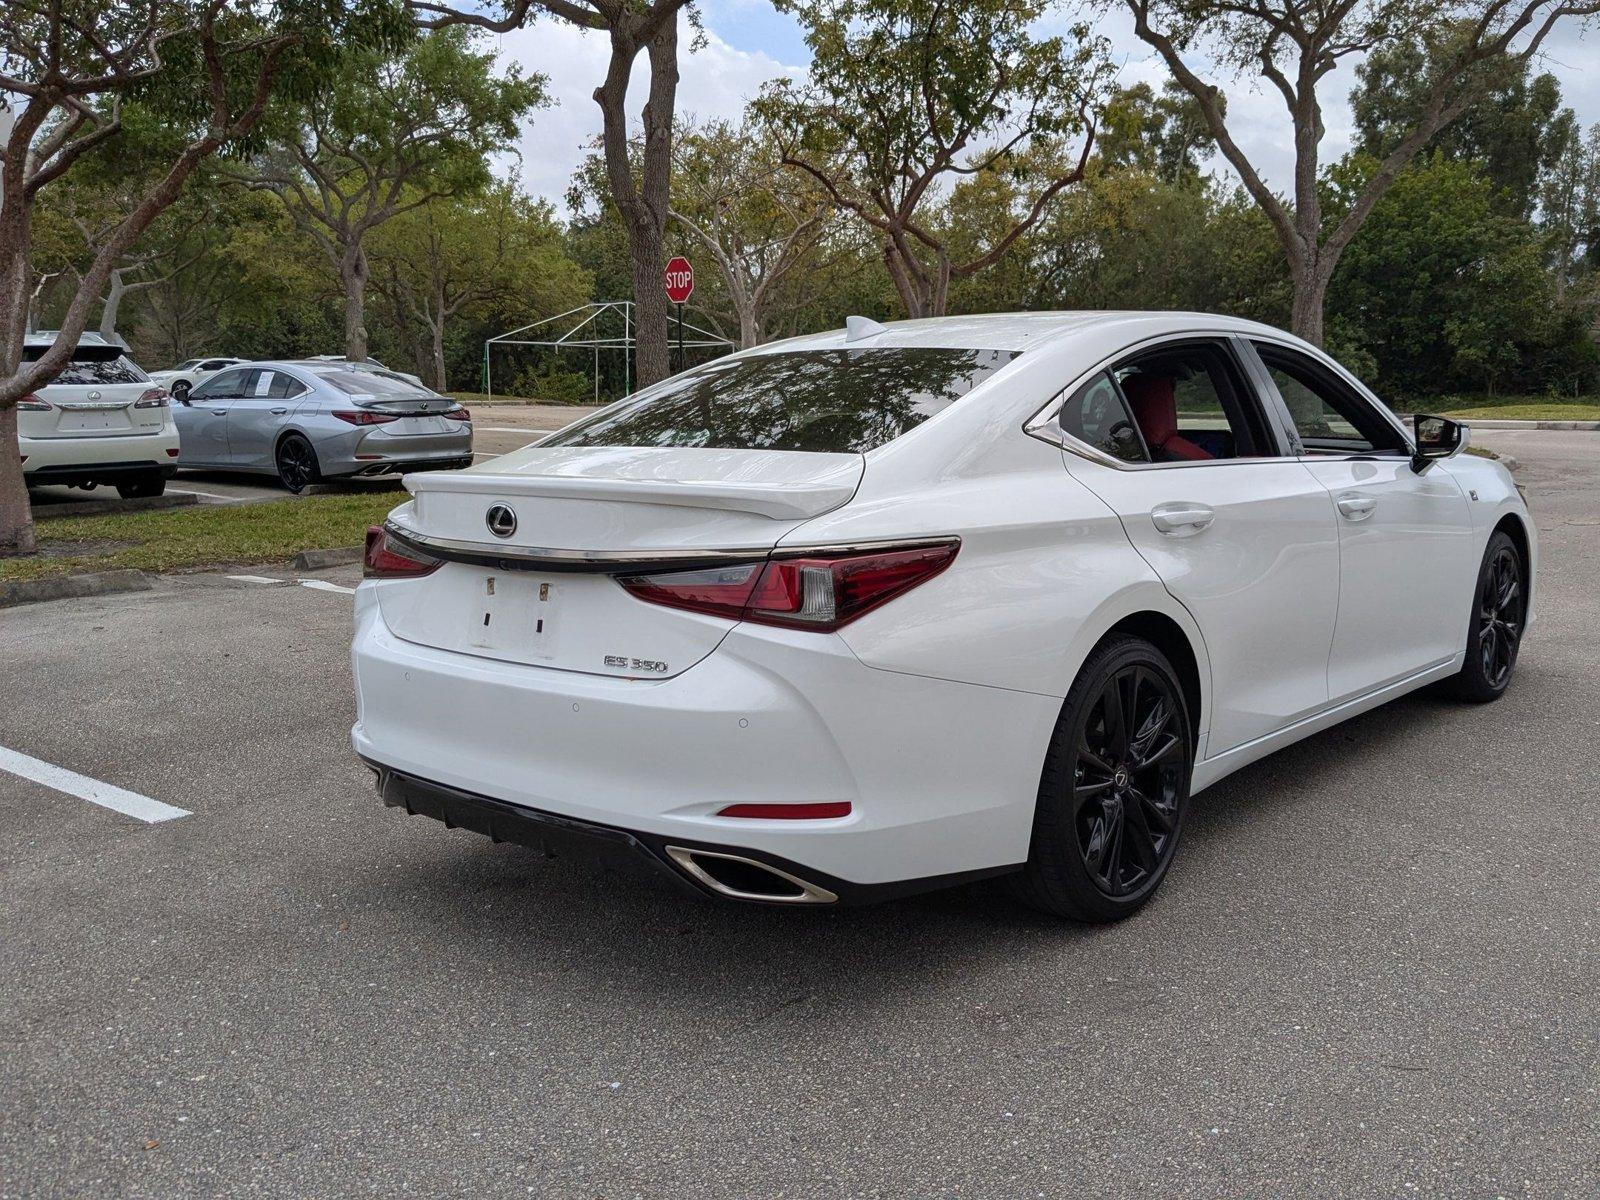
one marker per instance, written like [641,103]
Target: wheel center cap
[1122,779]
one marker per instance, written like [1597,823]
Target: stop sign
[679,280]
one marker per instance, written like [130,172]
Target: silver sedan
[308,421]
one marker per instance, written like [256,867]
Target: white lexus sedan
[894,607]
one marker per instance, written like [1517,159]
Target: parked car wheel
[1499,612]
[1114,789]
[297,463]
[180,390]
[142,486]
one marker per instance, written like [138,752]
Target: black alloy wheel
[1115,787]
[297,463]
[1499,616]
[180,390]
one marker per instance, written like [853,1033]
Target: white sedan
[889,608]
[191,373]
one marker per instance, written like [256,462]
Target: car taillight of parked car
[153,398]
[32,403]
[386,558]
[822,590]
[459,413]
[362,416]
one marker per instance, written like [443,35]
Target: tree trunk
[113,304]
[644,207]
[16,517]
[436,328]
[353,274]
[749,327]
[1310,291]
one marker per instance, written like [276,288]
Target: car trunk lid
[539,589]
[94,396]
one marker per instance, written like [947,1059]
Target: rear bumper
[400,466]
[102,457]
[941,776]
[668,858]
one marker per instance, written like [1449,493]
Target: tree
[1516,127]
[390,133]
[907,96]
[1294,45]
[470,255]
[640,183]
[207,67]
[758,220]
[1569,207]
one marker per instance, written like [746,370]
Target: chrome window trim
[1040,424]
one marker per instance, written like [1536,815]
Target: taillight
[459,413]
[822,590]
[386,558]
[364,416]
[153,398]
[32,403]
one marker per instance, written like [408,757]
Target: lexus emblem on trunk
[502,522]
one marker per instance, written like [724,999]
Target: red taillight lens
[822,591]
[363,416]
[459,413]
[153,398]
[387,559]
[821,811]
[31,403]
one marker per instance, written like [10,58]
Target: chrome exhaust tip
[741,878]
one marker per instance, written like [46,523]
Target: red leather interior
[1155,407]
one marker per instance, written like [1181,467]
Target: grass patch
[1543,410]
[484,400]
[202,535]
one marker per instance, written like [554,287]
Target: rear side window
[821,401]
[1097,415]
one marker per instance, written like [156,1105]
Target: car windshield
[186,364]
[812,400]
[92,365]
[376,383]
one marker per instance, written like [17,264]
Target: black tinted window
[1096,414]
[92,364]
[814,400]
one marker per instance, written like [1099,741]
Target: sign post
[679,279]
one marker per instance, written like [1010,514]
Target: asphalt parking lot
[497,429]
[1372,972]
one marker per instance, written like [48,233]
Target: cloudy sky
[748,43]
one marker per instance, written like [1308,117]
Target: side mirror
[1437,437]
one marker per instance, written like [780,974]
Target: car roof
[47,337]
[1019,331]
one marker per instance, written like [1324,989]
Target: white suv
[102,420]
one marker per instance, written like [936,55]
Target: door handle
[219,412]
[1357,508]
[1182,520]
[278,412]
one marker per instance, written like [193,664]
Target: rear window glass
[92,364]
[814,400]
[370,383]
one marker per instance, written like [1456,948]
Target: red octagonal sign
[679,280]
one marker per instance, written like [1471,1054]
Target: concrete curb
[316,560]
[69,587]
[100,508]
[1480,423]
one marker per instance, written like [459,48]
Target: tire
[180,390]
[1499,616]
[143,486]
[1123,813]
[296,460]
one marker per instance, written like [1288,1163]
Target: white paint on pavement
[106,795]
[322,585]
[511,429]
[257,579]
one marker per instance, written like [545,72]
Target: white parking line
[207,495]
[257,579]
[322,585]
[510,429]
[106,795]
